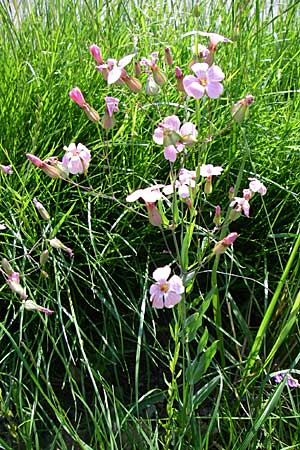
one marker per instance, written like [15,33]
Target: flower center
[164,287]
[203,82]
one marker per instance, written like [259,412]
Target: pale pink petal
[214,90]
[180,147]
[192,87]
[161,273]
[188,129]
[75,165]
[171,299]
[151,196]
[156,296]
[215,73]
[125,60]
[200,69]
[176,285]
[184,191]
[158,136]
[170,153]
[114,75]
[134,196]
[172,122]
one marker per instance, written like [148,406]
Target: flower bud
[179,78]
[76,95]
[168,57]
[159,77]
[32,306]
[43,212]
[56,243]
[221,246]
[6,169]
[137,68]
[240,110]
[133,83]
[44,256]
[91,113]
[217,219]
[151,87]
[96,53]
[6,266]
[196,10]
[153,214]
[231,193]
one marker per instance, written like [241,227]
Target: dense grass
[106,371]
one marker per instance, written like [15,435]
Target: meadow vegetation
[86,361]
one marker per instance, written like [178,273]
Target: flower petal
[214,90]
[171,299]
[215,73]
[125,60]
[114,75]
[161,273]
[170,153]
[192,87]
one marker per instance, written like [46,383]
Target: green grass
[106,371]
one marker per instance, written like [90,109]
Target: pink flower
[214,39]
[173,137]
[96,53]
[77,96]
[165,292]
[240,204]
[114,70]
[186,181]
[208,170]
[207,81]
[6,169]
[76,159]
[256,186]
[150,195]
[112,105]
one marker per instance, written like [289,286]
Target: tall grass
[106,371]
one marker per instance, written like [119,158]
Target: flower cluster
[241,205]
[174,137]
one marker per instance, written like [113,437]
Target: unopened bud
[208,186]
[168,57]
[56,243]
[221,246]
[153,214]
[43,212]
[159,77]
[32,306]
[179,78]
[91,113]
[107,121]
[137,68]
[231,193]
[16,287]
[217,219]
[151,87]
[96,53]
[196,10]
[240,110]
[6,266]
[44,256]
[133,83]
